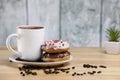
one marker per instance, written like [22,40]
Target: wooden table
[93,56]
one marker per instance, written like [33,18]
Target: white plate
[13,59]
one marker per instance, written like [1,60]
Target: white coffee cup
[29,40]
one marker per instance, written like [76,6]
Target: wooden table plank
[81,55]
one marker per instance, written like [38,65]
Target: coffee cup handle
[9,46]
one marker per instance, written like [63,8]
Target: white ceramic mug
[29,40]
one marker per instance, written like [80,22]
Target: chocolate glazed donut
[48,57]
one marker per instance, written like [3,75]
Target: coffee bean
[73,74]
[94,71]
[68,68]
[56,72]
[20,68]
[73,67]
[84,65]
[101,66]
[24,67]
[63,70]
[10,61]
[46,72]
[92,66]
[67,71]
[87,66]
[53,72]
[78,74]
[89,72]
[84,73]
[99,72]
[23,74]
[95,66]
[30,72]
[34,73]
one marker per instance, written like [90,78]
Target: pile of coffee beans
[29,70]
[93,66]
[89,66]
[85,73]
[56,70]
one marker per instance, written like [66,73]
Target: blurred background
[81,22]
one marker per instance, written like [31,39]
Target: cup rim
[35,27]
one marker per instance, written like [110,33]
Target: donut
[48,57]
[55,46]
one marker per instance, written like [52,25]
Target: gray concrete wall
[12,14]
[81,22]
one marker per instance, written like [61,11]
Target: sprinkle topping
[55,44]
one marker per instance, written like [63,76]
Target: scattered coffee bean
[10,61]
[67,71]
[20,68]
[23,74]
[30,72]
[89,72]
[94,72]
[78,74]
[91,66]
[56,72]
[99,72]
[73,74]
[84,73]
[88,66]
[101,66]
[34,73]
[73,67]
[95,67]
[63,70]
[84,65]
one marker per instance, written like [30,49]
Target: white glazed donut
[55,46]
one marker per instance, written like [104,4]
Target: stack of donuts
[55,50]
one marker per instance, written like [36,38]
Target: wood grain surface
[94,56]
